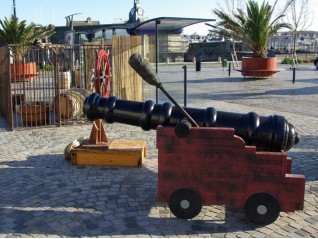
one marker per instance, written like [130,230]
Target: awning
[167,25]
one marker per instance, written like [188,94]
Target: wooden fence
[5,85]
[127,84]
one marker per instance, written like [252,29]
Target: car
[316,63]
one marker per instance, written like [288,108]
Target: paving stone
[276,235]
[302,233]
[310,229]
[258,235]
[295,225]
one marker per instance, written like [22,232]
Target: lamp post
[69,21]
[157,54]
[14,9]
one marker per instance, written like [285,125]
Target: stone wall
[211,51]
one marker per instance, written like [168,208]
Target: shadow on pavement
[3,125]
[47,195]
[313,90]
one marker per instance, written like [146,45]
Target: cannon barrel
[271,133]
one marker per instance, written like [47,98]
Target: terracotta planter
[36,113]
[259,67]
[23,71]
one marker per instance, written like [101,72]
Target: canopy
[168,25]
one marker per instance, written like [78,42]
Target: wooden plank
[5,87]
[120,153]
[130,145]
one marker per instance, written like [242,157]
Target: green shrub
[46,68]
[287,60]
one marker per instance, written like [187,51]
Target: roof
[171,25]
[88,21]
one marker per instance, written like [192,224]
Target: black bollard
[198,65]
[271,133]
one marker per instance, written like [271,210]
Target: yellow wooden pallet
[117,153]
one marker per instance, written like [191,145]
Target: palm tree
[13,31]
[253,27]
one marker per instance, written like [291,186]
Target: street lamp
[71,40]
[69,20]
[157,54]
[14,10]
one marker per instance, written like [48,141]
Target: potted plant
[254,27]
[20,37]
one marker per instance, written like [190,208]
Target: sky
[107,11]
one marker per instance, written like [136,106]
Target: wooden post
[98,135]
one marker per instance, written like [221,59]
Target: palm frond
[13,31]
[253,27]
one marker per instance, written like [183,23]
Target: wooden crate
[119,153]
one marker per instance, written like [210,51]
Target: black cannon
[271,133]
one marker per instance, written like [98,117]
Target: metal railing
[47,87]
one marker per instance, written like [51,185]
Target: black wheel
[261,208]
[316,64]
[185,203]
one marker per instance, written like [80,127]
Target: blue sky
[106,11]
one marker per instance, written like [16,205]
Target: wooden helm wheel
[102,74]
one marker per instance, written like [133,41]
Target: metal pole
[185,85]
[72,66]
[14,9]
[294,75]
[230,69]
[157,55]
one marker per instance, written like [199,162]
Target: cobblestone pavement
[43,195]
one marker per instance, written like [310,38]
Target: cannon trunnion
[270,133]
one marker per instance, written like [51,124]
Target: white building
[305,41]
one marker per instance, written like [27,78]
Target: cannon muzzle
[271,133]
